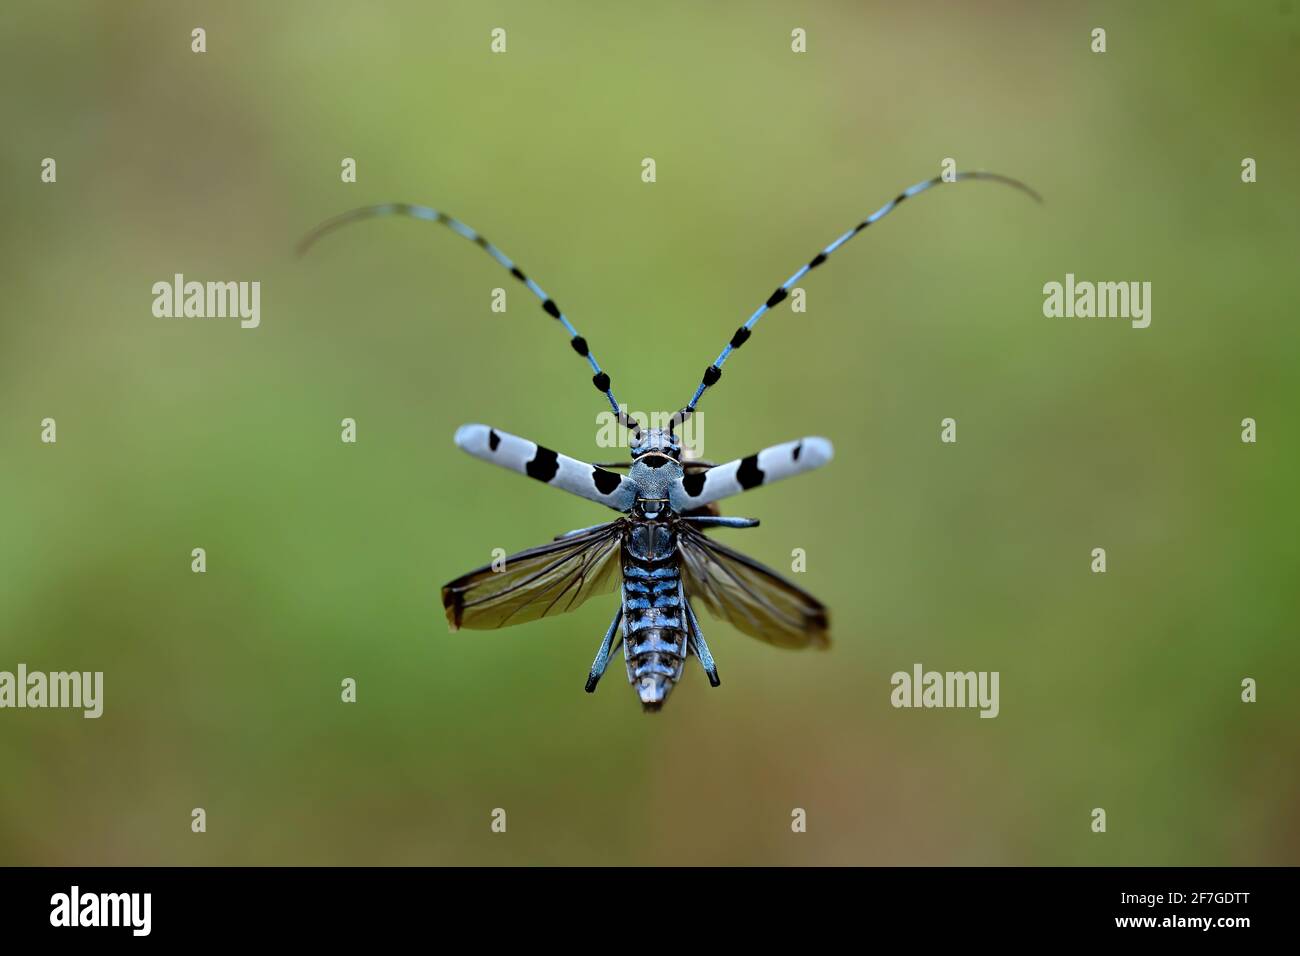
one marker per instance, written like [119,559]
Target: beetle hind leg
[701,647]
[606,651]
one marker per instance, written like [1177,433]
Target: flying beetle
[657,549]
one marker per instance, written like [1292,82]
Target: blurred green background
[222,690]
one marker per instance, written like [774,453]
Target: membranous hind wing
[751,597]
[547,580]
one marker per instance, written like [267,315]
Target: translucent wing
[753,598]
[551,579]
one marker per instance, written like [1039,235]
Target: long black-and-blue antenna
[714,371]
[599,377]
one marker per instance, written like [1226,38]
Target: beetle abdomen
[654,622]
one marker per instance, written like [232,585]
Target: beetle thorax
[656,465]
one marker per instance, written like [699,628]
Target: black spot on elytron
[514,271]
[493,439]
[817,260]
[693,484]
[579,345]
[740,338]
[544,466]
[711,375]
[606,481]
[776,297]
[601,381]
[551,309]
[749,474]
[797,448]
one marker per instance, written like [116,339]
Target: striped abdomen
[654,622]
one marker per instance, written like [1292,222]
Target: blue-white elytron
[656,550]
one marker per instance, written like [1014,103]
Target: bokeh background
[222,691]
